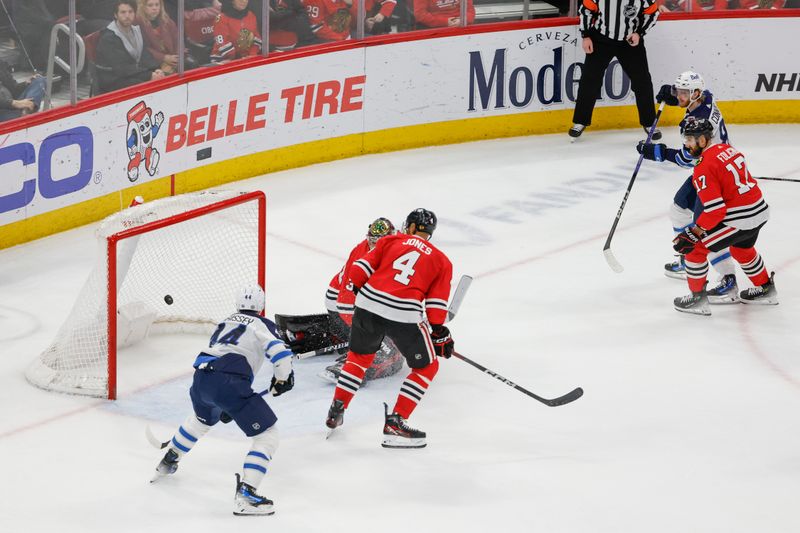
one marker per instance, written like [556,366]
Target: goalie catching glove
[686,240]
[442,341]
[340,21]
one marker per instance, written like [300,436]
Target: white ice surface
[688,424]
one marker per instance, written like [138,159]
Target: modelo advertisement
[539,69]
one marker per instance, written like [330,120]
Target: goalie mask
[251,298]
[381,227]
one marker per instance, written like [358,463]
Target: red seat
[90,44]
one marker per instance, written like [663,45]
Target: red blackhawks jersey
[730,195]
[403,278]
[235,38]
[436,13]
[319,11]
[340,297]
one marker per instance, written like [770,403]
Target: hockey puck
[168,299]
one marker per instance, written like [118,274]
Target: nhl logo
[630,11]
[256,426]
[417,356]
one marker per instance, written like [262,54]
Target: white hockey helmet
[251,298]
[690,81]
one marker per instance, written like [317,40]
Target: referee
[615,28]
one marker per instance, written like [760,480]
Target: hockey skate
[695,303]
[248,503]
[676,269]
[766,294]
[167,466]
[397,434]
[331,372]
[725,292]
[335,416]
[576,131]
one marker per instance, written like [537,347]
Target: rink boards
[226,124]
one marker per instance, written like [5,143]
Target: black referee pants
[633,60]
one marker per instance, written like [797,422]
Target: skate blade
[675,275]
[766,301]
[255,511]
[723,300]
[394,442]
[696,311]
[158,475]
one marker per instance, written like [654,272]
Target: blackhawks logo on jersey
[245,40]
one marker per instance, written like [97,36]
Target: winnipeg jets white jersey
[253,337]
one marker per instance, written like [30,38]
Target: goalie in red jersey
[398,284]
[340,303]
[734,211]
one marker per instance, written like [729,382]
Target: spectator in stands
[122,58]
[18,99]
[285,16]
[761,4]
[681,6]
[377,13]
[235,33]
[160,34]
[441,13]
[330,19]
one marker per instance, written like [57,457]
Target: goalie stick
[554,402]
[610,259]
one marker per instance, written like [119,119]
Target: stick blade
[569,397]
[615,265]
[458,296]
[153,440]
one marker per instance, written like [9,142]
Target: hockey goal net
[171,265]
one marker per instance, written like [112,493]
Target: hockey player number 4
[405,264]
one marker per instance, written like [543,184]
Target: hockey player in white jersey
[689,92]
[222,390]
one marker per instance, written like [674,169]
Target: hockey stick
[458,296]
[322,351]
[776,179]
[555,402]
[610,259]
[153,440]
[455,304]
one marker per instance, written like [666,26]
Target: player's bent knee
[267,441]
[364,360]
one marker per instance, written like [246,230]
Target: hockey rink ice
[688,423]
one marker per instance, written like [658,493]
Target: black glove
[685,242]
[224,417]
[442,341]
[279,387]
[653,152]
[665,95]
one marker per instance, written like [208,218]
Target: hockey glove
[442,341]
[685,242]
[279,387]
[665,95]
[653,152]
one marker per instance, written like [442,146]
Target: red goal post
[174,264]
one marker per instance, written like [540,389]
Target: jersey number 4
[405,264]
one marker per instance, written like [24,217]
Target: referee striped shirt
[616,19]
